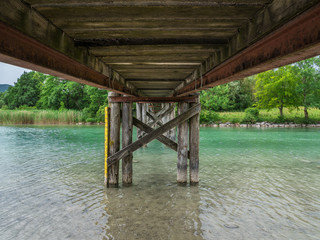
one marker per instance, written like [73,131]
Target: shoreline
[212,125]
[261,125]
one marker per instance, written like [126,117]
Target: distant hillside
[4,87]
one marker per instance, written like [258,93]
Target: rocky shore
[261,125]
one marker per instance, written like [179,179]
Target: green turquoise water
[254,184]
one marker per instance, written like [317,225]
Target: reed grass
[12,117]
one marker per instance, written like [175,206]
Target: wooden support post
[127,140]
[163,139]
[172,115]
[153,135]
[113,171]
[138,116]
[194,147]
[144,117]
[106,144]
[182,165]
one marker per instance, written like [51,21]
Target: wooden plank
[158,116]
[29,40]
[270,41]
[194,142]
[153,135]
[113,170]
[153,100]
[138,115]
[163,3]
[163,139]
[182,164]
[172,131]
[127,170]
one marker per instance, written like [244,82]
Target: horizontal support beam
[154,99]
[154,80]
[154,134]
[297,40]
[146,41]
[163,139]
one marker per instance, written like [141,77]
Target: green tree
[241,94]
[2,102]
[216,98]
[308,88]
[277,89]
[51,94]
[96,98]
[26,91]
[62,94]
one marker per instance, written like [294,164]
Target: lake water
[254,184]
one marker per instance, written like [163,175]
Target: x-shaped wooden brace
[156,118]
[155,133]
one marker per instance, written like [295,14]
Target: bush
[207,116]
[91,120]
[251,115]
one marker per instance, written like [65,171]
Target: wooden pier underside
[157,48]
[156,52]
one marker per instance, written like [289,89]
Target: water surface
[254,184]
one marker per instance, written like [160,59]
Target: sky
[9,73]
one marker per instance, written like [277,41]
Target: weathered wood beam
[194,143]
[138,115]
[127,140]
[182,164]
[163,139]
[164,3]
[155,80]
[29,40]
[267,42]
[153,135]
[113,170]
[158,116]
[146,41]
[154,99]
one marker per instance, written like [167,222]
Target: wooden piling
[172,132]
[194,147]
[113,171]
[126,140]
[138,116]
[182,164]
[144,107]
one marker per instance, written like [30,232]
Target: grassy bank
[272,116]
[8,117]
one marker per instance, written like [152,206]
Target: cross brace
[163,139]
[154,134]
[158,116]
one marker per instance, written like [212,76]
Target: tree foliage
[233,96]
[26,91]
[277,89]
[308,87]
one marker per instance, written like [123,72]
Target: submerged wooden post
[113,171]
[127,140]
[182,165]
[194,146]
[138,116]
[144,117]
[172,132]
[106,144]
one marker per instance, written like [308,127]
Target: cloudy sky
[9,73]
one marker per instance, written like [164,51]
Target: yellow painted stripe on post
[106,144]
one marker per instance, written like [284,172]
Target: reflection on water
[255,184]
